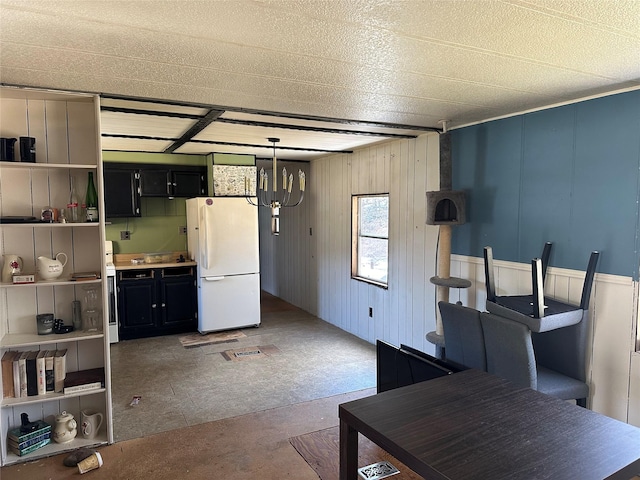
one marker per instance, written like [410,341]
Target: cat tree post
[445,208]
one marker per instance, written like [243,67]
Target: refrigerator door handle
[204,237]
[213,279]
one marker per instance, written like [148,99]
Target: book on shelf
[31,448]
[42,386]
[16,375]
[59,369]
[23,445]
[84,276]
[32,374]
[7,373]
[49,378]
[30,441]
[23,373]
[84,380]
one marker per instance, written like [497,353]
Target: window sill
[384,286]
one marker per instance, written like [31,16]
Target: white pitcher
[12,266]
[49,269]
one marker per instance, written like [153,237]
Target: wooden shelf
[49,397]
[49,283]
[55,448]
[51,166]
[51,225]
[70,131]
[18,340]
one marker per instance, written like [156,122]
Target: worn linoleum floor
[186,386]
[202,416]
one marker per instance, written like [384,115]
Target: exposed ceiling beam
[213,142]
[293,116]
[200,125]
[270,147]
[155,113]
[308,128]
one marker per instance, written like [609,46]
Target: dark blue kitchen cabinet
[156,301]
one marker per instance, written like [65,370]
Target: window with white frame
[370,238]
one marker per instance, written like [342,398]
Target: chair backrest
[463,338]
[489,279]
[509,350]
[564,349]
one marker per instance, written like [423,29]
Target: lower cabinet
[156,301]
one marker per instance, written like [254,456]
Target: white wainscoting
[634,391]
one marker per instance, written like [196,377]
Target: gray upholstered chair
[510,355]
[539,313]
[463,338]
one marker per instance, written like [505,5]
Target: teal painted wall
[158,230]
[569,175]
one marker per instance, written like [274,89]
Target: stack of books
[26,374]
[84,380]
[22,443]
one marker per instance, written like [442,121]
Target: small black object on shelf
[60,327]
[25,425]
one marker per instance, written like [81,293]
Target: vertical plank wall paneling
[404,312]
[287,256]
[319,280]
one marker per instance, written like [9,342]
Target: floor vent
[377,471]
[248,353]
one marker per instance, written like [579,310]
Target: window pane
[374,216]
[373,262]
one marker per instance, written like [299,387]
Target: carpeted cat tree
[445,208]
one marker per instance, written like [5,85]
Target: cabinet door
[155,182]
[178,299]
[121,193]
[187,184]
[137,307]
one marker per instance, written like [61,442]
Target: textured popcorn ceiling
[412,62]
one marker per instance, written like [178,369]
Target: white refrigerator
[222,237]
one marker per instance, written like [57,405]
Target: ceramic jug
[65,428]
[12,266]
[49,268]
[91,422]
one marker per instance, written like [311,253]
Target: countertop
[122,261]
[130,266]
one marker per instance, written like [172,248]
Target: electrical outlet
[125,235]
[182,230]
[371,312]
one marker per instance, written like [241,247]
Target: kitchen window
[370,238]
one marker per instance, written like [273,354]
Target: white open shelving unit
[66,127]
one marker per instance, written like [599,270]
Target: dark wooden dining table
[473,425]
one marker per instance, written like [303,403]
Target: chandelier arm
[298,202]
[264,198]
[285,199]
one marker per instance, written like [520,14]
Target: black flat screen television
[399,367]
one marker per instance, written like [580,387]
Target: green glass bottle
[91,201]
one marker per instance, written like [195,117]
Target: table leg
[348,452]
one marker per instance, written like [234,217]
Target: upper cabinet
[172,181]
[121,191]
[126,183]
[66,131]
